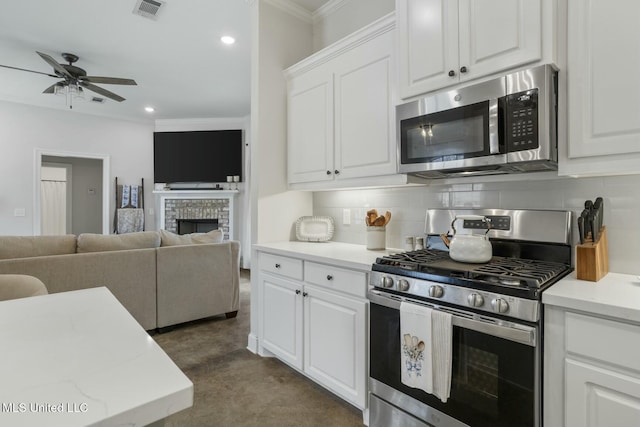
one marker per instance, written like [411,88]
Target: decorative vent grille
[148,8]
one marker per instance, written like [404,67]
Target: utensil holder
[592,258]
[376,237]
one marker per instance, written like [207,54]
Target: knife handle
[581,229]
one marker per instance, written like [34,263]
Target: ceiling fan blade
[59,68]
[101,91]
[107,80]
[31,71]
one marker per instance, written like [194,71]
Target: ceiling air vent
[148,8]
[98,99]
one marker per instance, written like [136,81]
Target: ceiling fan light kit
[75,79]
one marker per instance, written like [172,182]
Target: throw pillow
[172,239]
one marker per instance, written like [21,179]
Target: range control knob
[387,282]
[500,305]
[436,291]
[403,285]
[475,300]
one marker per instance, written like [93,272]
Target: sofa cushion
[172,239]
[33,246]
[88,242]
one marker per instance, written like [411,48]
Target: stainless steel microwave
[504,125]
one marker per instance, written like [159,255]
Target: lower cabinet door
[282,319]
[335,332]
[598,397]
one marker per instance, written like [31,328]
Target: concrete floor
[235,388]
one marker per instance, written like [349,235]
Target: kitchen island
[591,352]
[80,359]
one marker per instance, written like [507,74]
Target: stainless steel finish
[392,398]
[490,90]
[475,300]
[500,305]
[511,331]
[519,308]
[542,78]
[403,285]
[543,158]
[435,291]
[531,225]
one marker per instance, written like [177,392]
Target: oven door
[494,379]
[453,130]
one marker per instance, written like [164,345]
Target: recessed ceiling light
[149,109]
[227,40]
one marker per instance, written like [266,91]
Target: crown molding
[327,9]
[293,9]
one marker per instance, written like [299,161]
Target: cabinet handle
[463,69]
[337,172]
[304,294]
[277,265]
[297,291]
[328,172]
[329,277]
[452,73]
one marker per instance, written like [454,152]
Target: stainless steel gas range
[496,312]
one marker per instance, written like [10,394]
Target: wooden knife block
[592,258]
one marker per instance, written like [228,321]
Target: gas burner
[506,281]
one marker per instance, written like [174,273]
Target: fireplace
[203,225]
[196,211]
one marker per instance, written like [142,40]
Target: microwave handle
[495,125]
[507,330]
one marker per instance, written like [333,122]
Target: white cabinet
[591,370]
[314,318]
[444,42]
[603,91]
[341,109]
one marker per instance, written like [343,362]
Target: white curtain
[54,207]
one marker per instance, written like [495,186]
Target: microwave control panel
[522,121]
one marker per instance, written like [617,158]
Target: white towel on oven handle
[425,342]
[441,338]
[415,346]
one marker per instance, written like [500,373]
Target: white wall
[339,18]
[25,128]
[279,41]
[408,205]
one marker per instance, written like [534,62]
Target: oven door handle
[515,332]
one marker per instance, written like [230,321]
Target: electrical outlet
[346,216]
[19,212]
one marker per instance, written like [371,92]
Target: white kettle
[473,248]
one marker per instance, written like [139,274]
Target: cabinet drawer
[606,340]
[284,266]
[339,279]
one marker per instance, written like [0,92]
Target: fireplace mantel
[204,196]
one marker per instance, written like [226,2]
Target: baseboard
[252,344]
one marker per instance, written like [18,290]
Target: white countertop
[80,359]
[347,255]
[615,295]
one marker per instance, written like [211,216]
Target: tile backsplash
[408,206]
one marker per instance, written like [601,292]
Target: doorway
[85,194]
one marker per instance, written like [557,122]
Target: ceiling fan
[75,78]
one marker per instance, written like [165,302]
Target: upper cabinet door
[498,34]
[428,45]
[603,61]
[364,110]
[310,122]
[444,42]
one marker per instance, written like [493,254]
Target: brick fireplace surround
[197,204]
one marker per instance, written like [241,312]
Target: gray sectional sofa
[162,279]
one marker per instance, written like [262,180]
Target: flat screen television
[197,156]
